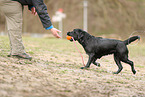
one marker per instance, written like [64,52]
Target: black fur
[96,47]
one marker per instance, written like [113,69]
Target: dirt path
[62,77]
[56,72]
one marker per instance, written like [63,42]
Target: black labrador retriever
[96,47]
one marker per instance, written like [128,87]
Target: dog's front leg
[91,57]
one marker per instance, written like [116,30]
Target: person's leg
[13,14]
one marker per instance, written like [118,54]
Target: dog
[96,47]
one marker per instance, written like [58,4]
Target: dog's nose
[68,33]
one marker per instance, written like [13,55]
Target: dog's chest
[91,49]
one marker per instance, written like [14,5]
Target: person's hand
[33,11]
[55,32]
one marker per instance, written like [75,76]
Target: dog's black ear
[80,30]
[77,30]
[80,34]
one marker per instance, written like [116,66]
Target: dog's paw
[84,68]
[115,72]
[98,64]
[134,72]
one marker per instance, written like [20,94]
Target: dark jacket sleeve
[42,12]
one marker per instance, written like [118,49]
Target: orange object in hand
[68,37]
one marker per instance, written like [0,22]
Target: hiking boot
[23,55]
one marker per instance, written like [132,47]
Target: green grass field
[55,72]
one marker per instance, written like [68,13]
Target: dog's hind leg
[126,60]
[96,63]
[118,64]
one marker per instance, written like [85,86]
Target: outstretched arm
[41,9]
[55,32]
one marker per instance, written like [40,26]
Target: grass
[138,49]
[55,71]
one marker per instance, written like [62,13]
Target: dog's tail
[131,39]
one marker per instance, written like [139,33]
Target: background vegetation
[104,16]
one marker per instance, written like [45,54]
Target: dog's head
[76,34]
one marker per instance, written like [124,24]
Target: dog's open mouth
[69,38]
